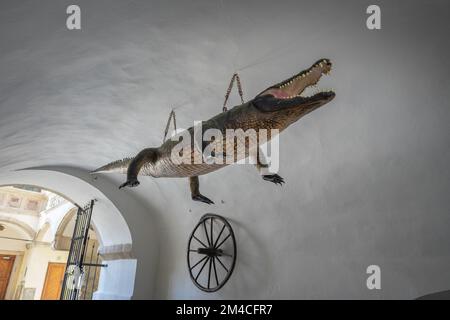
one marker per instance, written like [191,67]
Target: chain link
[236,78]
[171,116]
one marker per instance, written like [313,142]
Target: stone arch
[42,231]
[22,225]
[62,242]
[65,221]
[129,273]
[111,227]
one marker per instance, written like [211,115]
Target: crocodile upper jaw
[292,92]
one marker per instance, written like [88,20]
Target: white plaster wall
[30,220]
[367,177]
[12,245]
[14,232]
[36,263]
[112,287]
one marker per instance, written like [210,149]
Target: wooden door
[6,266]
[53,281]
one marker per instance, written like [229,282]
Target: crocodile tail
[119,166]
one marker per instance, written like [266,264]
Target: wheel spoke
[221,263]
[206,232]
[220,233]
[199,262]
[219,245]
[209,274]
[201,242]
[215,271]
[201,269]
[226,254]
[211,228]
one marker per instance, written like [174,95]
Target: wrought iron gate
[74,277]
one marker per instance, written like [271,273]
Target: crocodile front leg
[195,191]
[262,167]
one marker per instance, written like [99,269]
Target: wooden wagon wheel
[211,253]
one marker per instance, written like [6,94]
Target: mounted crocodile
[277,107]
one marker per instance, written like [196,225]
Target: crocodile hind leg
[195,191]
[262,167]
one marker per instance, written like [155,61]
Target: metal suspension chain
[171,116]
[230,87]
[234,78]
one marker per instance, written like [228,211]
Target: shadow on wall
[253,264]
[442,295]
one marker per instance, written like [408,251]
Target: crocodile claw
[131,183]
[202,198]
[274,178]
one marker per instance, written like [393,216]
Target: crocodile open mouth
[297,87]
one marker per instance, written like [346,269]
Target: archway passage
[28,216]
[36,231]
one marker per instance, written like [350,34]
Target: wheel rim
[211,254]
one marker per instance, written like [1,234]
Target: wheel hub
[210,251]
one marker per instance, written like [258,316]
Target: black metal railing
[83,266]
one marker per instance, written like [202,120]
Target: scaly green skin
[268,110]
